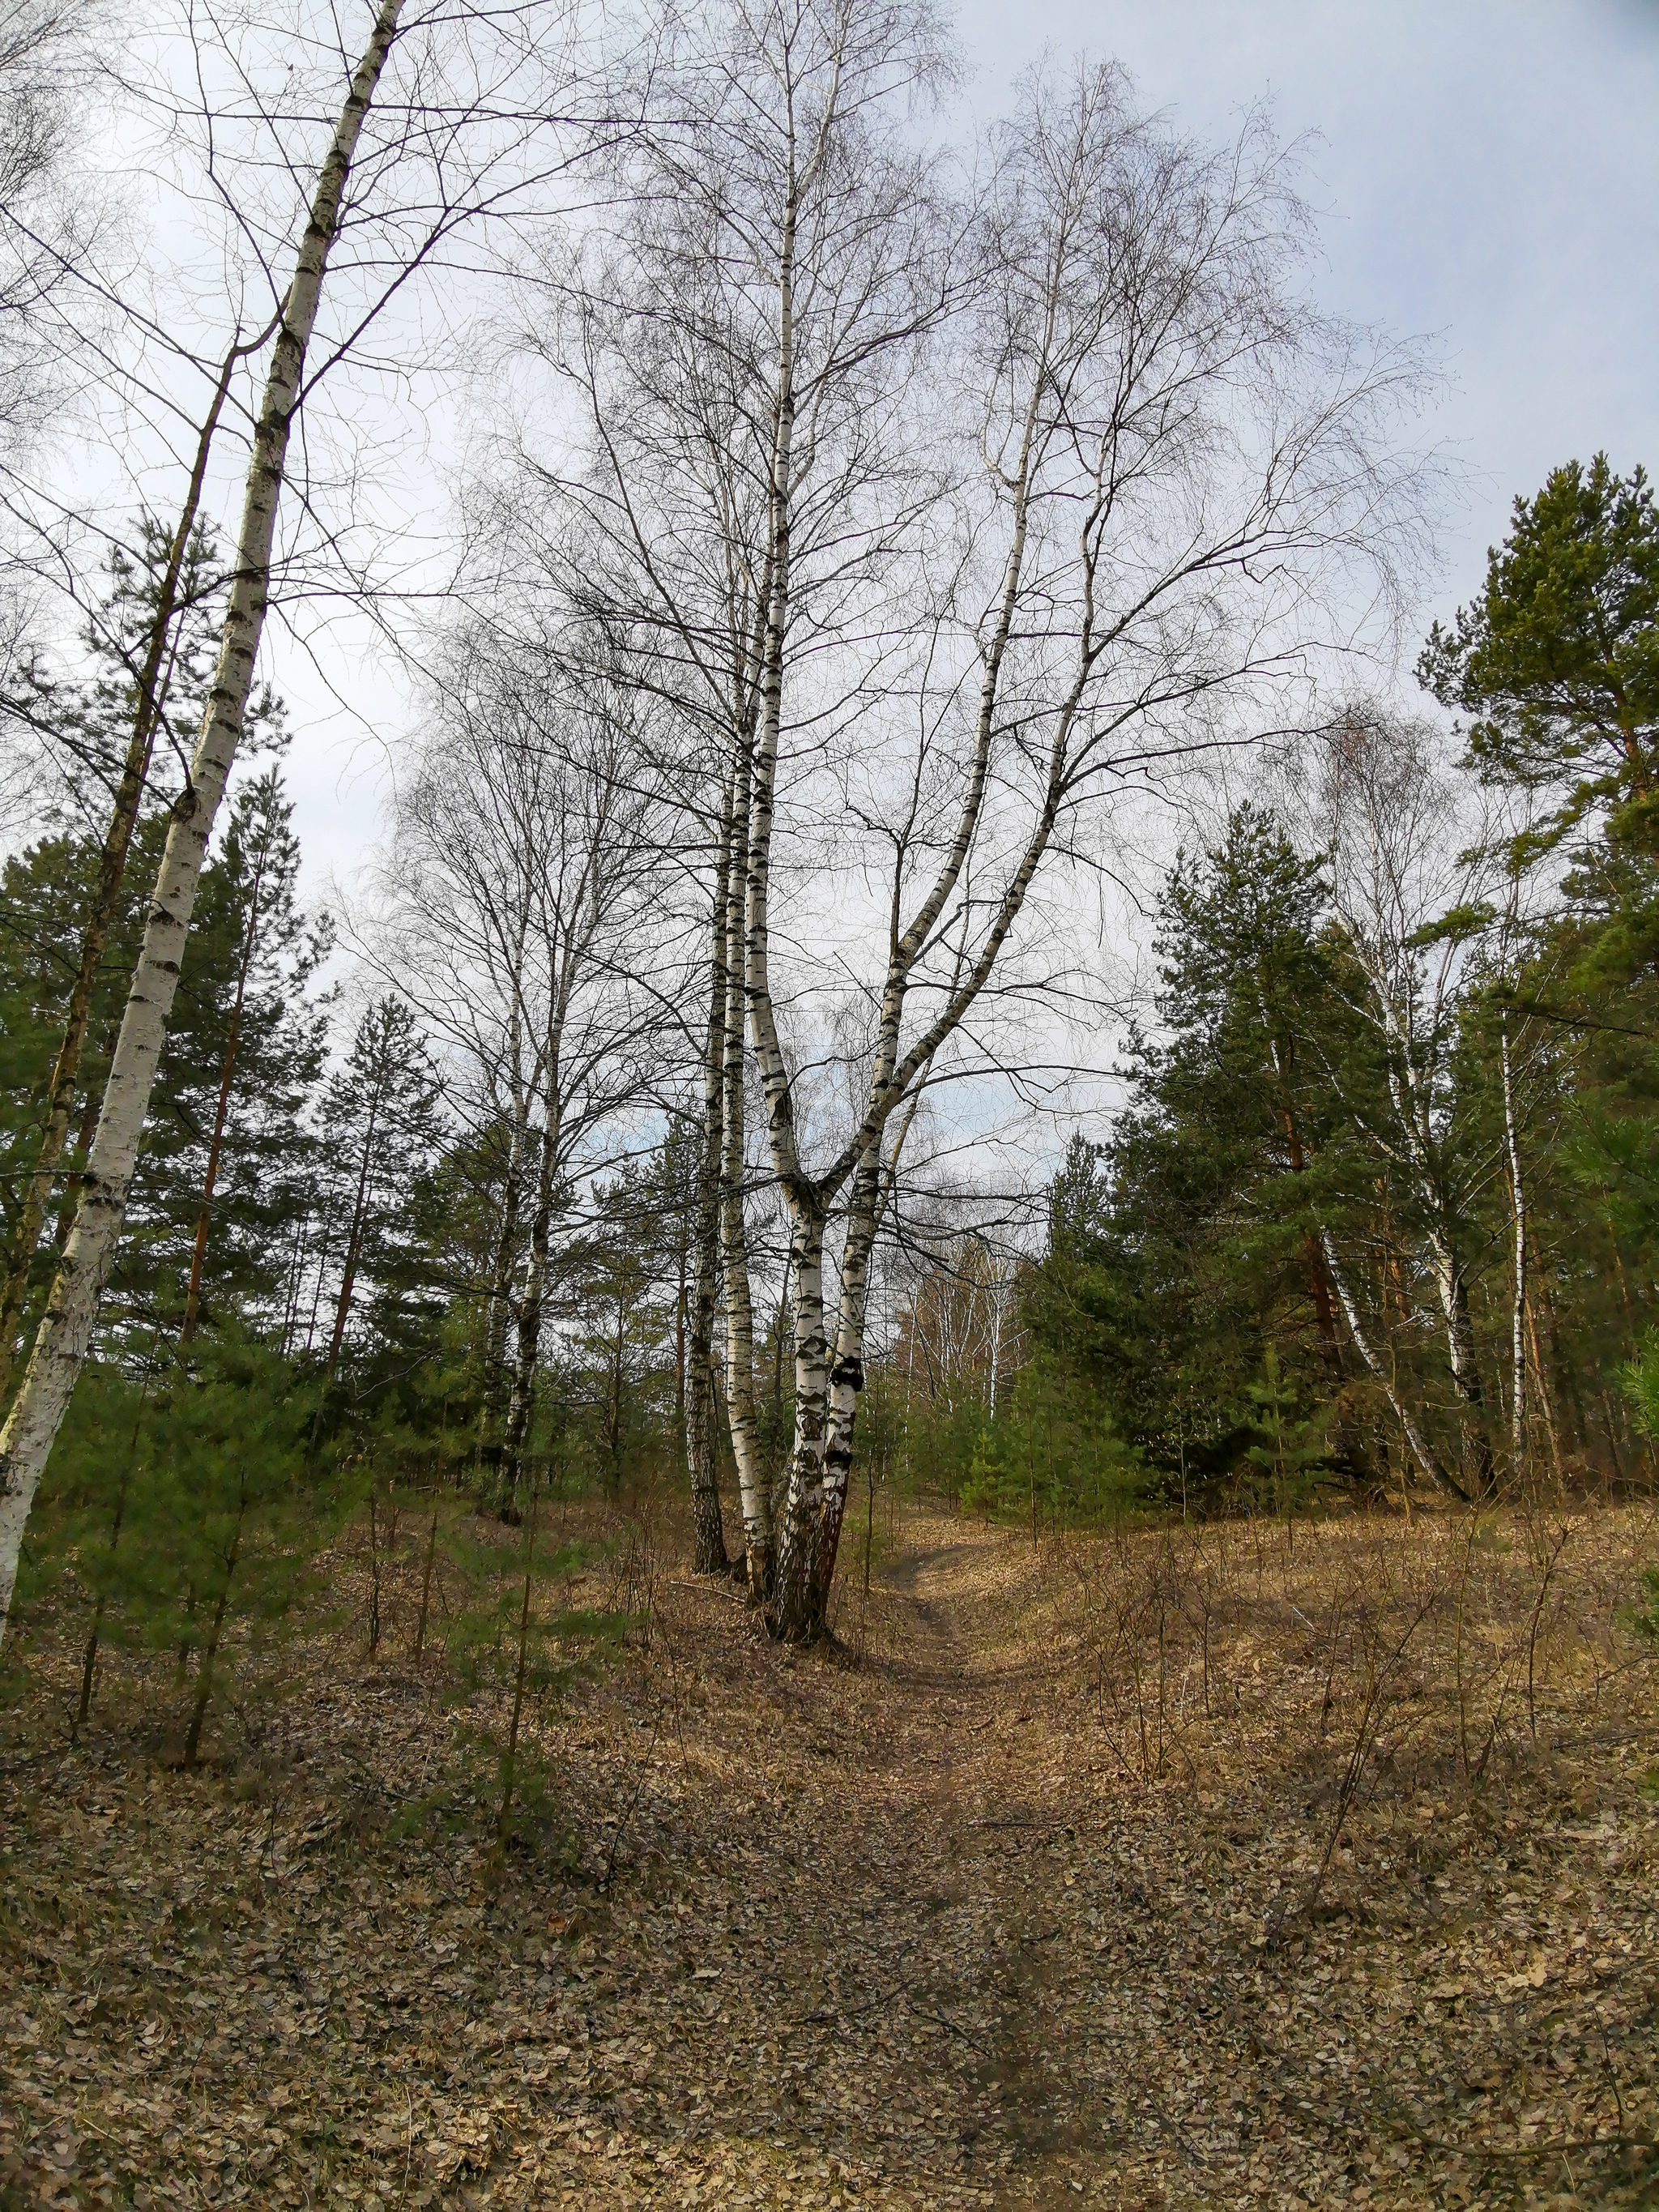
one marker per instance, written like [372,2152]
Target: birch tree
[162,365]
[1179,454]
[453,134]
[741,484]
[1407,904]
[702,1438]
[927,660]
[62,1342]
[518,904]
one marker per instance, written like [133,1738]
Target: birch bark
[1129,312]
[504,1257]
[754,1501]
[1518,1312]
[846,1379]
[703,1467]
[1422,1451]
[522,1401]
[149,707]
[873,1185]
[61,1346]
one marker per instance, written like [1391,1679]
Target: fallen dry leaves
[1040,1901]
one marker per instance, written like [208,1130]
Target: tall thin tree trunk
[1451,1283]
[750,959]
[796,1591]
[681,1319]
[521,1403]
[1422,1451]
[702,1465]
[294,1287]
[1542,1381]
[753,1498]
[872,1189]
[808,1198]
[61,1345]
[574,937]
[89,1659]
[1565,1372]
[616,1415]
[227,1077]
[1518,1315]
[210,1652]
[1624,1284]
[153,686]
[323,1249]
[1313,1259]
[348,1276]
[846,1377]
[510,1761]
[498,1303]
[426,1571]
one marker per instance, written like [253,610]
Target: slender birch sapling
[61,1345]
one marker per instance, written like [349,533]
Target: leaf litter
[1040,1888]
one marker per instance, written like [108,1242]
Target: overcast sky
[1489,171]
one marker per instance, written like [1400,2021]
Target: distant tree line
[1380,1210]
[871,517]
[1378,1213]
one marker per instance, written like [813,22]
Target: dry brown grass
[1197,1867]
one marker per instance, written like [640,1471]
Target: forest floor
[1230,1866]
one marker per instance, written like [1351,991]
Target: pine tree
[622,1299]
[1557,663]
[72,914]
[381,1131]
[228,1161]
[1182,1253]
[178,1497]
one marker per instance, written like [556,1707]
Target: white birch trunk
[846,1377]
[872,1187]
[793,1572]
[1412,1109]
[1518,1314]
[1422,1451]
[700,1432]
[810,1517]
[522,1400]
[1452,1287]
[499,1301]
[753,1502]
[797,1585]
[65,1333]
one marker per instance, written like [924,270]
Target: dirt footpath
[1135,1875]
